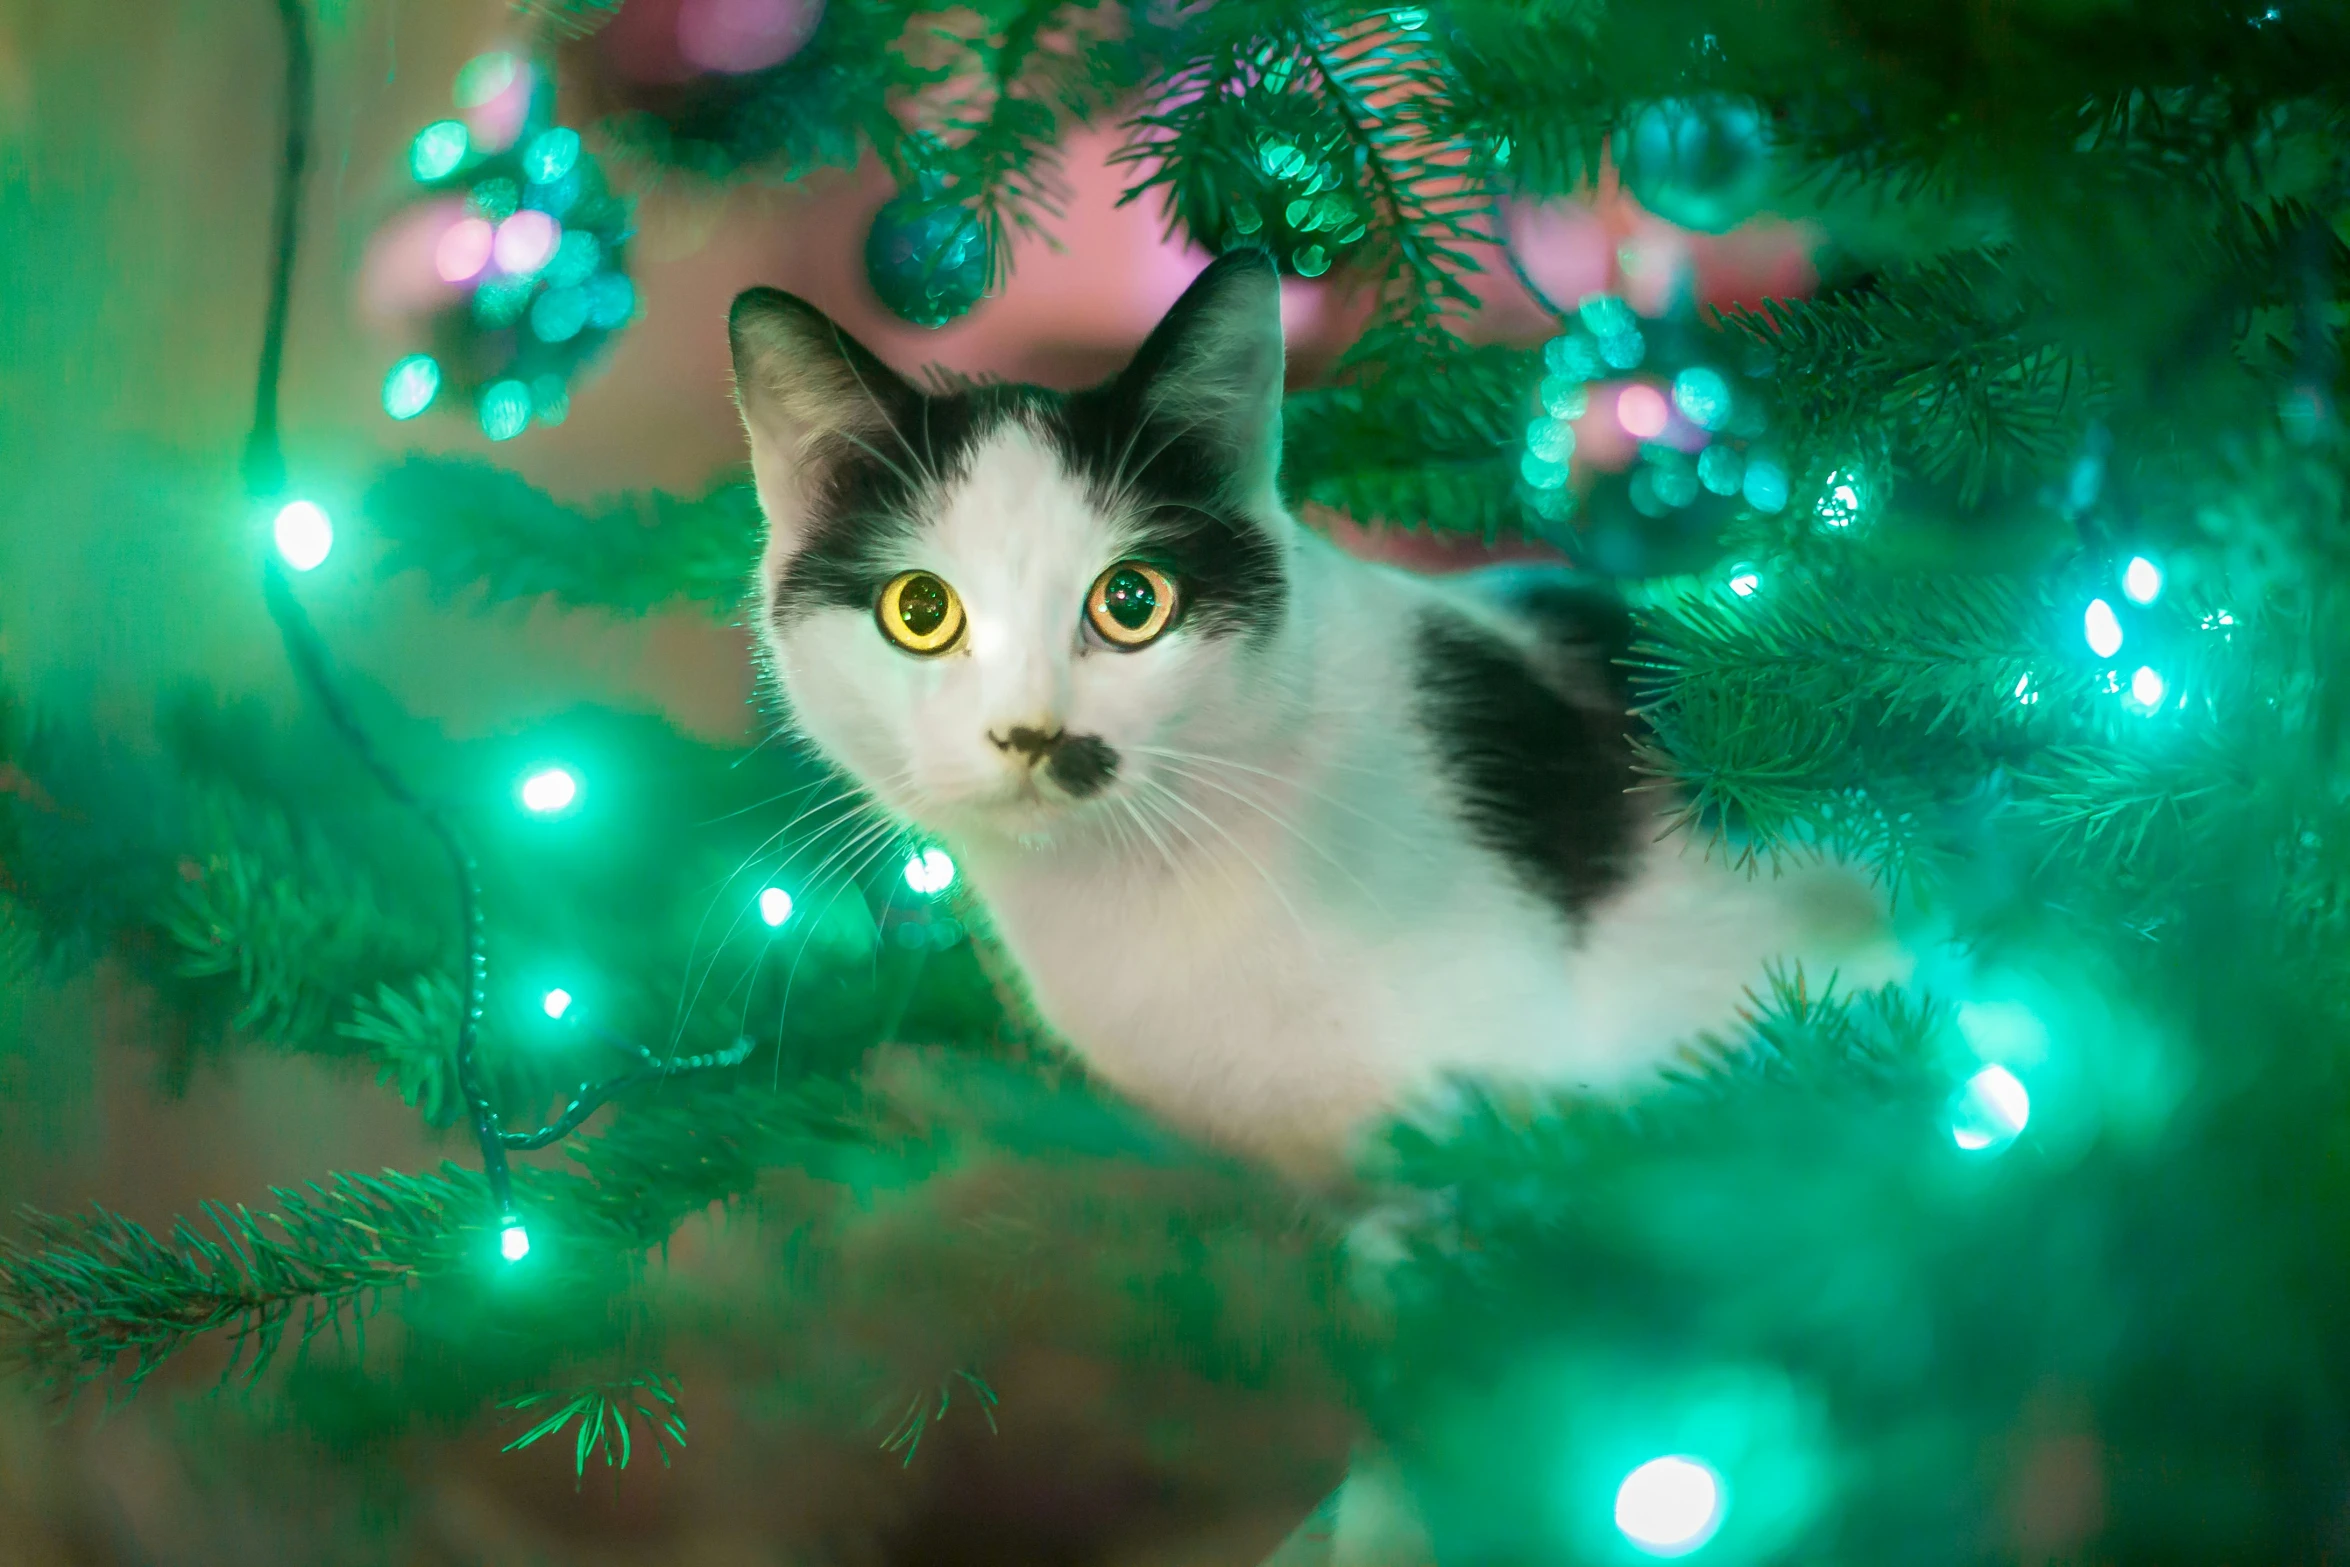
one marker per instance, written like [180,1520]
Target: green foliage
[79,1295]
[924,1410]
[412,1034]
[467,524]
[604,1412]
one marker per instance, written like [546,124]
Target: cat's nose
[1021,740]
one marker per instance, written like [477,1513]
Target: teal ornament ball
[1704,163]
[928,258]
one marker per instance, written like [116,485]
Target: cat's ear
[1214,364]
[810,395]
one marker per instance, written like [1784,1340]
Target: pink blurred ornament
[525,241]
[1642,410]
[502,103]
[464,250]
[1565,251]
[401,275]
[734,36]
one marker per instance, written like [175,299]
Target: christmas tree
[362,799]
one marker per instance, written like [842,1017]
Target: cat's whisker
[1281,822]
[1173,757]
[840,341]
[1272,884]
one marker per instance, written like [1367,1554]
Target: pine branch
[78,1295]
[466,524]
[603,1412]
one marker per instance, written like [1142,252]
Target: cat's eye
[1131,604]
[920,613]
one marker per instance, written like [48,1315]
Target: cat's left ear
[810,396]
[1214,365]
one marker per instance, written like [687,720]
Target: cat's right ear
[810,396]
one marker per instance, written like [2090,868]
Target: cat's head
[1000,607]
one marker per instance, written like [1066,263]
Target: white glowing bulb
[557,1002]
[2024,694]
[774,905]
[2141,580]
[930,871]
[2103,628]
[1745,582]
[1992,1110]
[549,790]
[2147,687]
[1669,1506]
[303,534]
[513,1241]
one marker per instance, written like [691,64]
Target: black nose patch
[1082,764]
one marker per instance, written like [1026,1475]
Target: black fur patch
[1539,755]
[1082,764]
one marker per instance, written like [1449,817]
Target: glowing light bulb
[1840,507]
[504,410]
[931,871]
[2146,688]
[303,534]
[1642,411]
[551,155]
[2141,580]
[411,385]
[437,150]
[774,906]
[549,790]
[2103,628]
[1990,1112]
[556,1002]
[1669,1506]
[2025,693]
[1703,396]
[525,242]
[1746,582]
[513,1241]
[464,250]
[484,77]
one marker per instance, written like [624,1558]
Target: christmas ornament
[1704,163]
[928,257]
[1264,166]
[536,256]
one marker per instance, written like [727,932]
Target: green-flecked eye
[1131,604]
[920,613]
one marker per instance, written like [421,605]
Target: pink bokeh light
[464,250]
[525,241]
[493,125]
[734,36]
[1642,410]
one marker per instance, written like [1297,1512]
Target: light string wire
[264,470]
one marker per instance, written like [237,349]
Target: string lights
[1670,1506]
[304,534]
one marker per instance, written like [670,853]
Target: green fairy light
[930,872]
[1670,1506]
[411,385]
[303,534]
[504,410]
[437,150]
[549,790]
[513,1240]
[550,155]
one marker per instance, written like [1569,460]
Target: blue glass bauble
[928,258]
[1704,163]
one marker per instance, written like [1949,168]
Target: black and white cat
[1280,837]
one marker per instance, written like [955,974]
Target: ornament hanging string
[265,475]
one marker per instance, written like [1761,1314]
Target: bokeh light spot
[556,1002]
[2141,580]
[1703,396]
[464,250]
[2103,628]
[438,149]
[2146,689]
[526,242]
[411,385]
[1990,1112]
[549,790]
[303,534]
[484,77]
[551,155]
[513,1241]
[774,906]
[1669,1506]
[505,410]
[1642,411]
[1745,581]
[930,872]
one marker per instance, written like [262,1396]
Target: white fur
[1271,928]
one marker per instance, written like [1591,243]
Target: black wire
[265,476]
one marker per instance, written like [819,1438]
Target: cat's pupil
[922,605]
[1130,598]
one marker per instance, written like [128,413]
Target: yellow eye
[1131,604]
[920,613]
